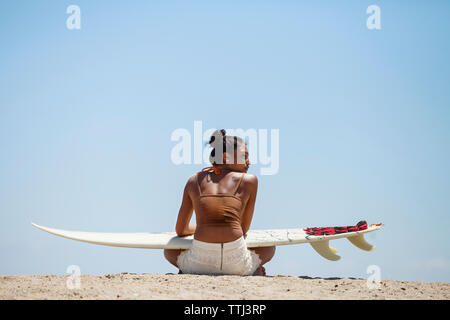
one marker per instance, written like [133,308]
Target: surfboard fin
[360,242]
[323,248]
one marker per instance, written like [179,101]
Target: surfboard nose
[36,225]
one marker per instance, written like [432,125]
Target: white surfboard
[254,239]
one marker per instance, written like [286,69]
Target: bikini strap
[235,189]
[239,183]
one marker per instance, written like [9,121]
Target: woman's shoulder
[250,179]
[250,176]
[193,179]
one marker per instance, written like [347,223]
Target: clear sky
[86,118]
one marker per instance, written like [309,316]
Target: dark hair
[219,140]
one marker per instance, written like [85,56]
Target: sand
[203,287]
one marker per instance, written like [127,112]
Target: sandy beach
[202,287]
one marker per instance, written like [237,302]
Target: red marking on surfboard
[362,225]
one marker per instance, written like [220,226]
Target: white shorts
[219,258]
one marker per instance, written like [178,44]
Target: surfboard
[254,239]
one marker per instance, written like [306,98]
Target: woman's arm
[183,228]
[250,206]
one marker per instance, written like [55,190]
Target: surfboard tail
[360,242]
[323,248]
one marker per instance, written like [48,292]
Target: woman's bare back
[223,205]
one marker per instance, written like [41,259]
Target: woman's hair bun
[217,133]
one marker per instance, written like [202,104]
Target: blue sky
[86,118]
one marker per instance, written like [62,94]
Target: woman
[223,197]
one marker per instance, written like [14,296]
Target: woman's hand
[190,230]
